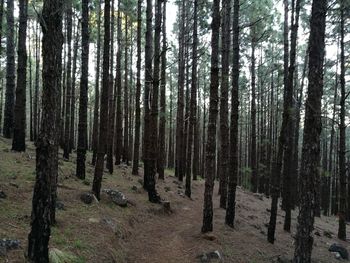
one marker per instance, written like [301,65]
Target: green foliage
[58,256]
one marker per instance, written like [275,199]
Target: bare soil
[144,232]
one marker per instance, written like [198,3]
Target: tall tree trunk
[97,87]
[342,133]
[162,117]
[312,129]
[179,171]
[224,123]
[283,136]
[47,143]
[83,98]
[126,99]
[213,112]
[288,155]
[10,72]
[253,153]
[19,131]
[233,167]
[151,125]
[118,142]
[66,148]
[96,187]
[136,154]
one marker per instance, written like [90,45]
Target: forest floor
[143,232]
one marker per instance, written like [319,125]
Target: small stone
[327,234]
[134,188]
[340,249]
[87,198]
[337,255]
[2,195]
[117,197]
[93,220]
[60,205]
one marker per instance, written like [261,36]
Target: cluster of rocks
[8,244]
[117,197]
[213,256]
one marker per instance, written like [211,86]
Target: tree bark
[213,112]
[312,129]
[96,187]
[47,143]
[19,131]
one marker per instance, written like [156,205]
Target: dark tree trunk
[171,132]
[342,133]
[72,109]
[233,167]
[151,100]
[96,187]
[31,134]
[19,131]
[136,158]
[47,143]
[83,98]
[224,123]
[193,101]
[162,117]
[10,71]
[67,147]
[126,99]
[213,112]
[288,155]
[118,142]
[179,169]
[312,129]
[97,87]
[253,153]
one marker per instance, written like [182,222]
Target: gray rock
[337,255]
[87,198]
[8,244]
[340,249]
[60,205]
[213,256]
[117,197]
[2,194]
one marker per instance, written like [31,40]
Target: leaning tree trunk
[310,158]
[135,166]
[213,112]
[19,131]
[82,126]
[10,71]
[233,168]
[47,143]
[96,187]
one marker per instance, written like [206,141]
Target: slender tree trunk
[224,123]
[66,148]
[311,140]
[126,99]
[96,187]
[10,71]
[162,118]
[47,143]
[119,116]
[83,98]
[233,167]
[138,93]
[179,172]
[36,91]
[342,133]
[213,112]
[288,155]
[19,131]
